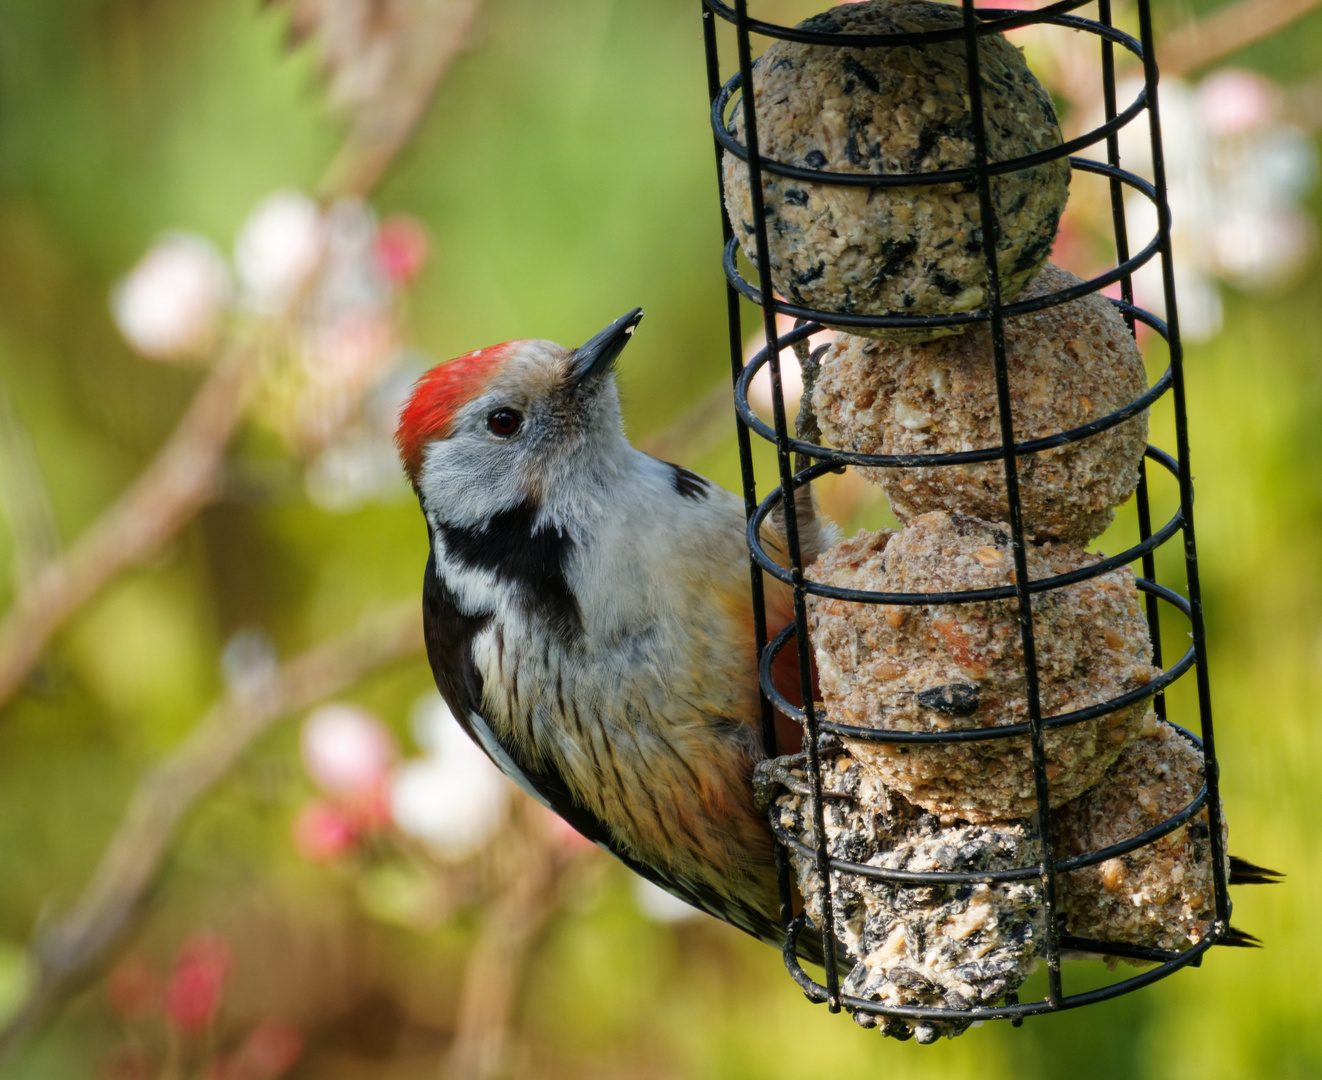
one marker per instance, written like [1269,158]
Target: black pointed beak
[596,357]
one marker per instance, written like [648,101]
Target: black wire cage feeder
[1097,152]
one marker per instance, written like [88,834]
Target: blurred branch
[1228,30]
[71,949]
[437,32]
[510,925]
[186,474]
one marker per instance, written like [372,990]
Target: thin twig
[70,949]
[1226,31]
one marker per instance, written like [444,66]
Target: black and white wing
[449,634]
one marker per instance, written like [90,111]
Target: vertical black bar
[745,455]
[1211,768]
[1012,496]
[1113,158]
[787,497]
[1121,233]
[1151,602]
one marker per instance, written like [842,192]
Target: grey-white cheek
[472,479]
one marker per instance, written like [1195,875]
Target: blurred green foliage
[566,174]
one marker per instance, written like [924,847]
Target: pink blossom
[224,1067]
[272,1048]
[371,809]
[209,953]
[1233,100]
[192,999]
[346,349]
[269,1051]
[1074,250]
[564,834]
[1258,247]
[346,750]
[401,248]
[197,984]
[323,832]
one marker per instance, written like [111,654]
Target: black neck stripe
[535,560]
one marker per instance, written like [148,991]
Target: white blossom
[354,471]
[352,280]
[346,749]
[453,799]
[171,304]
[659,906]
[277,248]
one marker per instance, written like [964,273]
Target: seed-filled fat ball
[1160,895]
[1068,365]
[948,667]
[861,816]
[956,946]
[911,250]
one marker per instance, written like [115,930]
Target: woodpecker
[588,616]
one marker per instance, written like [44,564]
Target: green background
[566,175]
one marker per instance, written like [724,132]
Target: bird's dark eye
[504,422]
